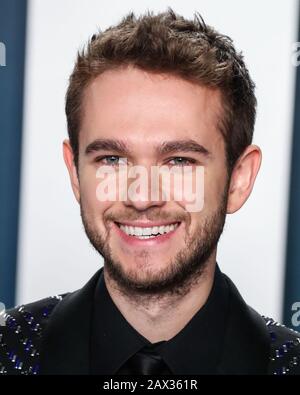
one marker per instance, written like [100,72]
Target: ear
[69,161]
[243,177]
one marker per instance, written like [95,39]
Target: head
[160,90]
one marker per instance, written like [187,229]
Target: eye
[111,160]
[181,161]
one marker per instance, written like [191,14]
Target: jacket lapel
[247,343]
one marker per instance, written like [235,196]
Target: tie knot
[147,361]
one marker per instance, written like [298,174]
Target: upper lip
[146,224]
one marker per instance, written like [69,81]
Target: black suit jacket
[52,336]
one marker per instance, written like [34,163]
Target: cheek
[201,194]
[214,184]
[187,189]
[89,185]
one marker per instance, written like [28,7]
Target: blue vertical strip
[12,39]
[292,275]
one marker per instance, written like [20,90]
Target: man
[155,91]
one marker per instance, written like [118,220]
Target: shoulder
[284,348]
[24,338]
[280,344]
[21,334]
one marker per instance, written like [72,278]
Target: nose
[142,205]
[143,191]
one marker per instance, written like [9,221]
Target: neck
[161,318]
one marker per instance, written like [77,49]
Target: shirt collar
[196,349]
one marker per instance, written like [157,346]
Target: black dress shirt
[196,349]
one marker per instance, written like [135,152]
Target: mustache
[135,216]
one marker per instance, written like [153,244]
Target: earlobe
[243,178]
[69,161]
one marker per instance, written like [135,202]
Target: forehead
[143,107]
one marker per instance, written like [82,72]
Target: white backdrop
[54,253]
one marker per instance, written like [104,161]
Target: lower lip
[153,241]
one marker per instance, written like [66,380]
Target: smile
[141,234]
[147,232]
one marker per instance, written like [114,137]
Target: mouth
[146,233]
[143,232]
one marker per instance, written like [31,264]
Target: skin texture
[158,287]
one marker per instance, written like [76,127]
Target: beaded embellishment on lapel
[20,338]
[285,348]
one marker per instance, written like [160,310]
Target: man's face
[143,112]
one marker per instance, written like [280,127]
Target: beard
[179,275]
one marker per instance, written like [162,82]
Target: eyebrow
[167,147]
[107,145]
[186,145]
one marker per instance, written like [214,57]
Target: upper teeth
[139,231]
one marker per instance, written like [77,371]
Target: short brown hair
[169,43]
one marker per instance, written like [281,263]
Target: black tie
[146,362]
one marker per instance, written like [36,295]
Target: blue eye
[181,161]
[110,160]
